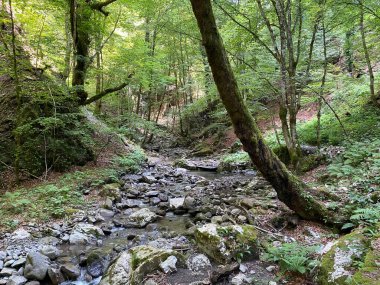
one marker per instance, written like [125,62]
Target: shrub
[292,257]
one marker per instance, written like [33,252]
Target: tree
[290,189]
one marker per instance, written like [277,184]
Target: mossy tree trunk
[290,189]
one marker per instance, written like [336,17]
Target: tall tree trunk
[81,40]
[367,58]
[18,94]
[290,190]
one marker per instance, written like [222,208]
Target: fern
[367,216]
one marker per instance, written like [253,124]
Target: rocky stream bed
[164,225]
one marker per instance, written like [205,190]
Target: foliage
[293,257]
[369,216]
[52,200]
[131,162]
[238,157]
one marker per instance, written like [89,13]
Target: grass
[64,197]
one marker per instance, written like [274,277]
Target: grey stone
[169,265]
[6,272]
[176,203]
[36,266]
[18,263]
[198,262]
[17,280]
[50,251]
[55,276]
[78,238]
[20,234]
[140,218]
[106,213]
[33,283]
[3,254]
[70,271]
[152,194]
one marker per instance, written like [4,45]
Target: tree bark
[367,58]
[290,190]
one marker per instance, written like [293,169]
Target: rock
[20,234]
[78,238]
[3,254]
[235,212]
[148,178]
[70,271]
[169,265]
[243,268]
[163,197]
[222,271]
[119,272]
[217,220]
[187,164]
[6,272]
[33,283]
[106,213]
[140,218]
[1,264]
[222,244]
[55,276]
[19,263]
[176,203]
[50,251]
[242,219]
[108,203]
[198,263]
[271,268]
[189,202]
[17,280]
[150,282]
[152,194]
[132,266]
[112,191]
[83,233]
[240,279]
[36,266]
[338,263]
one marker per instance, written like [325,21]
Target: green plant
[369,216]
[292,257]
[131,162]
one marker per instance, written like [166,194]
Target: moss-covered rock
[223,244]
[132,266]
[353,259]
[202,149]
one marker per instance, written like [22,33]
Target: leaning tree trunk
[290,190]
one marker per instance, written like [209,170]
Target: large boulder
[353,259]
[85,233]
[139,219]
[132,266]
[36,266]
[222,244]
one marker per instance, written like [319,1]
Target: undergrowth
[65,196]
[293,257]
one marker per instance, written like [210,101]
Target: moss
[202,149]
[340,262]
[225,243]
[145,259]
[369,271]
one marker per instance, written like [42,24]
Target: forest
[189,142]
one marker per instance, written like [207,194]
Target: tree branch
[107,91]
[100,5]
